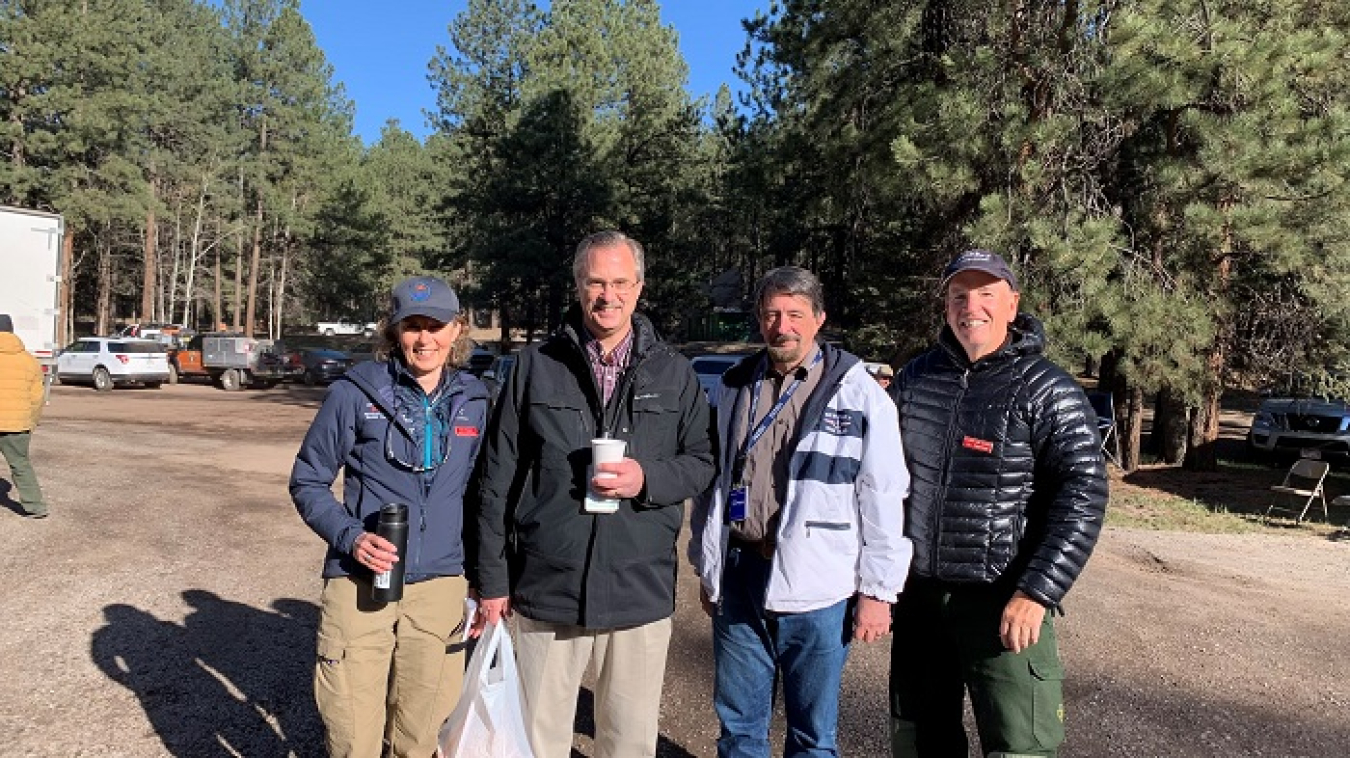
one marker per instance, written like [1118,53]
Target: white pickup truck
[334,328]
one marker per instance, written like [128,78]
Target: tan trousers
[383,672]
[630,665]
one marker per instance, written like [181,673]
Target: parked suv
[106,362]
[1307,418]
[1310,427]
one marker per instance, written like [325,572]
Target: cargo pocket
[1047,681]
[332,690]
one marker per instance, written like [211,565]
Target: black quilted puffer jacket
[1007,478]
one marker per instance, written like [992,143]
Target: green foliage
[199,128]
[1169,178]
[570,122]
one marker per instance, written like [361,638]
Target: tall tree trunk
[103,318]
[150,271]
[195,254]
[1171,427]
[217,312]
[238,281]
[168,294]
[1203,453]
[255,258]
[280,307]
[65,326]
[1204,433]
[237,321]
[1129,426]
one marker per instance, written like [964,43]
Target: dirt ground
[167,607]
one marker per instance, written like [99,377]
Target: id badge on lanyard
[737,503]
[739,498]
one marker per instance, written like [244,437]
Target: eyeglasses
[397,460]
[621,286]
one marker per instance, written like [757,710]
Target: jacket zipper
[805,423]
[952,432]
[428,478]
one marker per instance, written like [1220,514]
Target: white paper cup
[607,451]
[603,450]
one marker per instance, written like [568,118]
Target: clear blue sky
[380,52]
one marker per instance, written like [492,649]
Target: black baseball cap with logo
[980,260]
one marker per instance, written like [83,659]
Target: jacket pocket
[560,425]
[656,424]
[644,584]
[833,526]
[547,581]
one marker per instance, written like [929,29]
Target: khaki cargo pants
[383,673]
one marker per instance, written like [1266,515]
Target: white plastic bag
[489,721]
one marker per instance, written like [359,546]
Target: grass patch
[1152,509]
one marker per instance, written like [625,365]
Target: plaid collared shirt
[608,368]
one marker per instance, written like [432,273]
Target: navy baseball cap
[423,296]
[979,260]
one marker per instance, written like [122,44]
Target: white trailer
[30,278]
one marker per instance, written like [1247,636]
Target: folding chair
[1303,481]
[1104,406]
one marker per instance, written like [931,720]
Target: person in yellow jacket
[20,406]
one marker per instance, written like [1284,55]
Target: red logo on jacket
[466,431]
[978,445]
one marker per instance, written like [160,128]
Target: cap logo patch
[420,292]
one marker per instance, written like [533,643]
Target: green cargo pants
[14,447]
[945,643]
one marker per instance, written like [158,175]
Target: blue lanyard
[763,426]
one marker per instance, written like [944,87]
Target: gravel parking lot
[167,607]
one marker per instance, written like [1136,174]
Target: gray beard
[787,354]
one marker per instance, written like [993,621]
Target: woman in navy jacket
[403,429]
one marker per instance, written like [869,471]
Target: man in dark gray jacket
[589,587]
[1007,497]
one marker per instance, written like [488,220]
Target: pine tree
[1236,180]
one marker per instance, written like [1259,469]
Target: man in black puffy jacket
[1007,496]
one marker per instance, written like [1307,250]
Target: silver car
[1310,427]
[107,362]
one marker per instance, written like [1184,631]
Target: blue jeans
[751,647]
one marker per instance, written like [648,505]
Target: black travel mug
[393,526]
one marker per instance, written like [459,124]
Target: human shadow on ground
[585,724]
[231,680]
